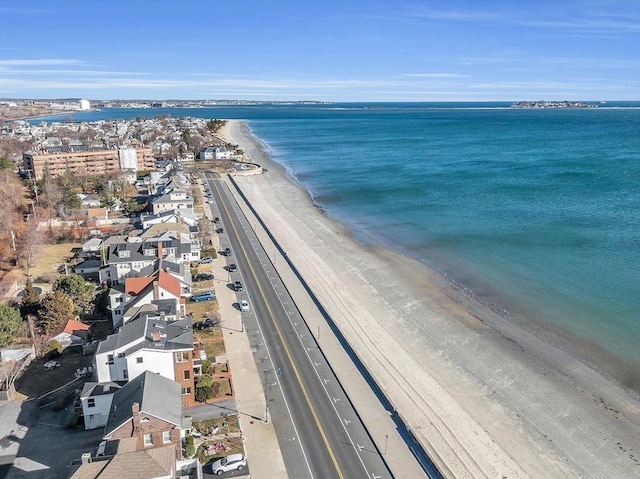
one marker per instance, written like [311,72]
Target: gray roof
[174,335]
[92,389]
[136,249]
[157,396]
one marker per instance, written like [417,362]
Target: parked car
[227,251]
[220,230]
[232,267]
[206,296]
[202,277]
[50,365]
[244,305]
[206,260]
[233,462]
[205,324]
[237,286]
[216,220]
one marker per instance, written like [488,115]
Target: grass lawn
[223,388]
[214,349]
[202,309]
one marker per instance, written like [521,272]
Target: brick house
[147,409]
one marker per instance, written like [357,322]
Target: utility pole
[266,397]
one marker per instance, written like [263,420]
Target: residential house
[180,217]
[150,344]
[149,409]
[88,269]
[216,153]
[156,463]
[139,256]
[89,201]
[175,200]
[75,333]
[92,245]
[161,289]
[96,399]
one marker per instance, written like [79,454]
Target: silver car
[233,462]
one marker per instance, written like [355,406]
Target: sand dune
[486,398]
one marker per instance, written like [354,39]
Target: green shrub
[189,450]
[204,381]
[206,366]
[203,394]
[189,440]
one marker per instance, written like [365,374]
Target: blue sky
[347,50]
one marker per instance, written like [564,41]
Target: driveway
[41,444]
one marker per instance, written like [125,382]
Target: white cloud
[40,62]
[433,75]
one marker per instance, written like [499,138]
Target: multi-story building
[149,409]
[137,257]
[143,434]
[86,160]
[149,343]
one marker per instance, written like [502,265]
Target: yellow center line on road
[284,344]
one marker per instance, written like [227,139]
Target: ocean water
[536,212]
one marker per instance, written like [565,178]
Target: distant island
[552,104]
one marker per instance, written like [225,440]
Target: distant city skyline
[350,50]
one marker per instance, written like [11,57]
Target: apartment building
[86,160]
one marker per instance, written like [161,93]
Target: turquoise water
[535,211]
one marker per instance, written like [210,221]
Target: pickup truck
[237,286]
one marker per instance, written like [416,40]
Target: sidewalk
[264,458]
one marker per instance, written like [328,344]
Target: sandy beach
[484,397]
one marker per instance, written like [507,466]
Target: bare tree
[29,242]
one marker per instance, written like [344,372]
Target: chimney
[178,236]
[159,249]
[135,415]
[155,336]
[86,457]
[156,293]
[162,316]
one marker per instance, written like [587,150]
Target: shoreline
[484,402]
[460,288]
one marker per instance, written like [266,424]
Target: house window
[147,440]
[166,436]
[125,374]
[186,375]
[91,402]
[119,300]
[110,359]
[122,355]
[186,391]
[140,360]
[118,312]
[182,357]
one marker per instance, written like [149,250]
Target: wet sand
[485,397]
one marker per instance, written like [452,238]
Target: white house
[149,344]
[96,399]
[136,292]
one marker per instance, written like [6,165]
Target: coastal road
[319,432]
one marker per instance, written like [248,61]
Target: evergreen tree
[56,309]
[10,325]
[30,303]
[80,291]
